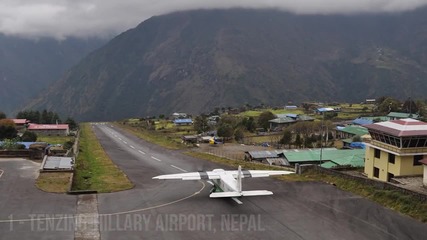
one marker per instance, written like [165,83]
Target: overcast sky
[83,18]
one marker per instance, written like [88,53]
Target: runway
[157,209]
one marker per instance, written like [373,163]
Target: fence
[367,181]
[221,153]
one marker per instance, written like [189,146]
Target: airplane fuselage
[227,183]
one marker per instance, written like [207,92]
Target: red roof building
[49,129]
[18,121]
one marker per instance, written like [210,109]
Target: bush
[29,137]
[68,145]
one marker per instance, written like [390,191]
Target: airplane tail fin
[239,179]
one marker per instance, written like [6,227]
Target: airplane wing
[205,175]
[260,173]
[190,176]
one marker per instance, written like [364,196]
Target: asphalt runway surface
[174,209]
[22,205]
[159,209]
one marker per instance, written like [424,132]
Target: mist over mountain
[28,66]
[195,61]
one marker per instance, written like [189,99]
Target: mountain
[195,61]
[27,66]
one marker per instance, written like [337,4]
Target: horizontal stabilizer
[240,194]
[256,193]
[225,194]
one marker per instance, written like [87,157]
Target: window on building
[377,153]
[417,158]
[376,172]
[391,158]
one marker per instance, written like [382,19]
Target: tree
[286,138]
[389,105]
[308,141]
[409,106]
[201,124]
[329,115]
[29,137]
[421,105]
[225,130]
[7,129]
[249,123]
[264,118]
[298,141]
[32,116]
[2,115]
[239,134]
[44,119]
[71,123]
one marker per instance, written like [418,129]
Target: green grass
[157,137]
[55,139]
[55,182]
[94,169]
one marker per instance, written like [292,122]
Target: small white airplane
[227,183]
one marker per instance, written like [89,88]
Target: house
[289,157]
[183,121]
[284,120]
[345,135]
[178,115]
[399,115]
[362,121]
[190,139]
[261,156]
[49,129]
[324,109]
[291,107]
[396,149]
[334,157]
[20,123]
[369,120]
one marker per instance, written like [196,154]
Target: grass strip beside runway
[56,182]
[94,169]
[152,136]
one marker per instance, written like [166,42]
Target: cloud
[86,18]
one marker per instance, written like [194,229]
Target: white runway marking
[156,159]
[178,168]
[1,173]
[237,201]
[125,142]
[120,139]
[141,151]
[132,146]
[110,214]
